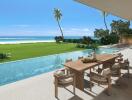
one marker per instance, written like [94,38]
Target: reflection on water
[87,52]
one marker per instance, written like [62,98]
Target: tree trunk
[105,23]
[129,22]
[60,29]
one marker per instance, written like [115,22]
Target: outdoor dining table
[78,67]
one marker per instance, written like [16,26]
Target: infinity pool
[18,70]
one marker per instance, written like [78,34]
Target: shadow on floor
[122,91]
[87,88]
[75,98]
[87,84]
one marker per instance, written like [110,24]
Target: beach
[20,42]
[31,39]
[25,39]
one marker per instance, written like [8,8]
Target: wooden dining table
[78,67]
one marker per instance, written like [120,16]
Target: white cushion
[59,73]
[67,80]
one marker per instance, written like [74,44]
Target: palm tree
[105,14]
[58,15]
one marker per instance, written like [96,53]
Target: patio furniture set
[99,71]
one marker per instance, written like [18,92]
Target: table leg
[79,80]
[90,81]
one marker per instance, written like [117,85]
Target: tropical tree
[105,14]
[99,33]
[87,40]
[58,15]
[120,27]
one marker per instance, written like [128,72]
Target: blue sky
[35,18]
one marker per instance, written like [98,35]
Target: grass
[23,51]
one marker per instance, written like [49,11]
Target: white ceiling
[121,8]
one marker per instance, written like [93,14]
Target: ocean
[30,39]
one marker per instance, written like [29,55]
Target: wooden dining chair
[125,65]
[116,70]
[63,79]
[101,79]
[120,58]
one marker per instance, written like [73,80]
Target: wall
[127,39]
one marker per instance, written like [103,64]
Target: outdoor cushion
[98,78]
[60,73]
[66,80]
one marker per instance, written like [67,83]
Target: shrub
[4,55]
[58,39]
[87,40]
[72,40]
[81,46]
[84,40]
[94,46]
[109,39]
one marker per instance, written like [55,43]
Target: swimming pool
[18,70]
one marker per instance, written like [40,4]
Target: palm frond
[57,14]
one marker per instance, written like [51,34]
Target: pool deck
[41,87]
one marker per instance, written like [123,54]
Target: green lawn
[22,51]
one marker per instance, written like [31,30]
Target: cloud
[31,31]
[78,32]
[21,26]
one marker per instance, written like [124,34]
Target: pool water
[18,70]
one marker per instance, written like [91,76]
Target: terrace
[41,87]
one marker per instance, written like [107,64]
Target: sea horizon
[31,39]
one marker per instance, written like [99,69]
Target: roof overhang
[120,8]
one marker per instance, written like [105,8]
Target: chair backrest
[126,62]
[68,60]
[116,66]
[106,72]
[80,57]
[62,74]
[120,54]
